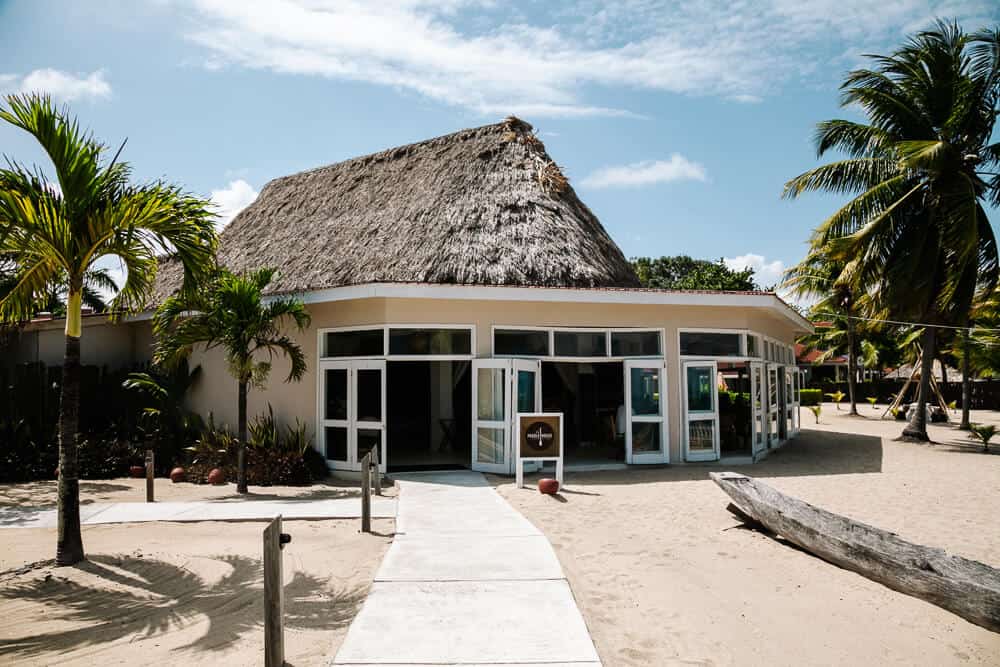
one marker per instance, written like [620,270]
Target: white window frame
[471,328]
[663,419]
[552,342]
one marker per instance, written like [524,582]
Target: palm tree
[915,239]
[56,236]
[232,314]
[817,277]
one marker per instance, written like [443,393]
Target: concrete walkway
[467,581]
[218,510]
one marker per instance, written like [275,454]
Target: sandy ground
[664,575]
[124,490]
[173,594]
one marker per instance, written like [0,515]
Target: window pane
[525,391]
[490,394]
[526,343]
[699,388]
[646,437]
[368,439]
[430,341]
[369,395]
[581,344]
[336,443]
[489,445]
[635,344]
[336,393]
[355,343]
[753,346]
[710,344]
[645,385]
[701,435]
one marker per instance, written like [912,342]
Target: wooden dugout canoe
[965,587]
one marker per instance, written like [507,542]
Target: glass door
[368,427]
[759,425]
[526,397]
[796,376]
[335,412]
[352,412]
[701,414]
[645,391]
[773,411]
[491,415]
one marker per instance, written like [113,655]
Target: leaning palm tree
[233,313]
[915,240]
[56,235]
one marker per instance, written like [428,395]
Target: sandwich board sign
[539,438]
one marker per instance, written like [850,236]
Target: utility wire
[909,324]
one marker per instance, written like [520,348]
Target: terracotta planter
[177,475]
[216,476]
[548,486]
[137,471]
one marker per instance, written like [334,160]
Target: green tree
[233,314]
[56,236]
[915,239]
[681,272]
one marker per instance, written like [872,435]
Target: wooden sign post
[366,493]
[274,594]
[149,475]
[539,437]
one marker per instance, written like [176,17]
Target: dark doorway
[591,397]
[429,406]
[735,416]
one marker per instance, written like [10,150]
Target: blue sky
[677,122]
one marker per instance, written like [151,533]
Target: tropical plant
[231,313]
[816,410]
[983,433]
[916,240]
[683,272]
[164,390]
[837,397]
[57,235]
[872,400]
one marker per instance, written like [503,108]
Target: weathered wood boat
[965,587]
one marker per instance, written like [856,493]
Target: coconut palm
[915,239]
[57,234]
[232,313]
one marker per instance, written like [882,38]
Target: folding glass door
[701,411]
[500,389]
[352,412]
[645,394]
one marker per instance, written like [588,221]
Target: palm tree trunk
[852,368]
[966,385]
[241,452]
[69,543]
[917,428]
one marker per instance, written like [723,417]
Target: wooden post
[149,475]
[366,493]
[376,472]
[274,597]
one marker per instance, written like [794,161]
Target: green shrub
[811,396]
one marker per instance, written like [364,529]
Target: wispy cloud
[650,172]
[65,86]
[491,58]
[766,272]
[232,199]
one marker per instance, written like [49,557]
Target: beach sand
[181,593]
[664,574]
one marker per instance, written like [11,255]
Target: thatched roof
[485,206]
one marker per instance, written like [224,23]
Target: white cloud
[766,273]
[231,200]
[491,58]
[61,85]
[677,168]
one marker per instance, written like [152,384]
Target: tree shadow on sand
[142,598]
[44,493]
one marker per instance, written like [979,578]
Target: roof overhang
[763,300]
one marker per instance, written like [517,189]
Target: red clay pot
[177,475]
[548,486]
[137,471]
[216,476]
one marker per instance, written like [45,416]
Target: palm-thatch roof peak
[482,206]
